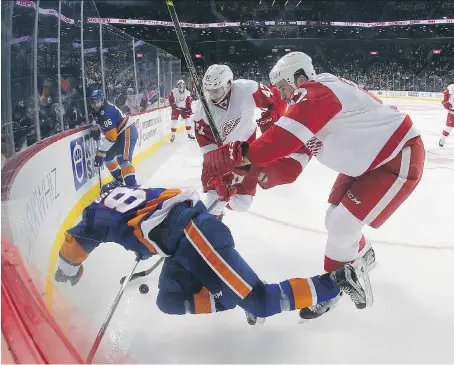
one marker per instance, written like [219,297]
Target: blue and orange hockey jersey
[113,122]
[125,215]
[203,272]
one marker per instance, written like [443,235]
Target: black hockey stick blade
[192,71]
[143,273]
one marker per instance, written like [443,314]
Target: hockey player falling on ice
[376,149]
[120,136]
[181,102]
[448,104]
[232,104]
[202,272]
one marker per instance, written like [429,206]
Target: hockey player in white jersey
[181,103]
[448,104]
[232,105]
[376,150]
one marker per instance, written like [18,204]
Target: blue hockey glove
[99,158]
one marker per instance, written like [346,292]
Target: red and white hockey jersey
[234,116]
[448,99]
[180,100]
[344,127]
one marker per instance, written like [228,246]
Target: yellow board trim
[75,213]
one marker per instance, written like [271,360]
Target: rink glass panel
[19,126]
[48,72]
[118,65]
[147,74]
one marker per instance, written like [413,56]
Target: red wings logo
[314,145]
[228,126]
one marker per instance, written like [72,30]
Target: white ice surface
[283,236]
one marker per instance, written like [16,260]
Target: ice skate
[314,311]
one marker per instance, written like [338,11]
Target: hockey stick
[192,71]
[106,322]
[124,281]
[143,273]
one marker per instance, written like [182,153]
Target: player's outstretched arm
[76,247]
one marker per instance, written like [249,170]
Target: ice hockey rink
[283,236]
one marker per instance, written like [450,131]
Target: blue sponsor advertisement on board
[83,150]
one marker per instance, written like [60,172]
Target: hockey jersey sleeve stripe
[229,276]
[111,135]
[122,124]
[297,129]
[275,143]
[302,158]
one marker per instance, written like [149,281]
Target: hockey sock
[129,175]
[446,131]
[333,265]
[302,293]
[362,243]
[114,169]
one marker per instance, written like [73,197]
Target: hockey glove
[62,278]
[95,133]
[99,158]
[268,118]
[222,160]
[225,192]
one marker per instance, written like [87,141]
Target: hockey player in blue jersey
[120,136]
[202,272]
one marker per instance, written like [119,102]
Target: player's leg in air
[447,129]
[205,273]
[79,242]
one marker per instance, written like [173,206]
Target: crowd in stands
[394,68]
[348,11]
[211,11]
[62,106]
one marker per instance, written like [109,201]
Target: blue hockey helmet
[97,99]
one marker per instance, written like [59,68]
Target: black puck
[143,288]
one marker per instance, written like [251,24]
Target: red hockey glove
[225,192]
[222,160]
[268,118]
